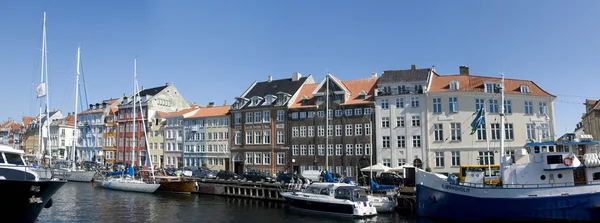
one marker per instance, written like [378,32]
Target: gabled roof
[211,112]
[411,75]
[471,83]
[27,120]
[182,112]
[335,81]
[262,89]
[152,91]
[355,87]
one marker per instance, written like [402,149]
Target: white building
[451,104]
[61,137]
[400,116]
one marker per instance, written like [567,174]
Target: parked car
[284,178]
[170,171]
[256,177]
[201,173]
[227,175]
[389,179]
[184,173]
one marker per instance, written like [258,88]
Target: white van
[313,175]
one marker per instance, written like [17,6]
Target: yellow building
[110,136]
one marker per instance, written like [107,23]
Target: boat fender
[568,161]
[48,204]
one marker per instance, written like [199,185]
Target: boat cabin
[542,164]
[10,156]
[338,190]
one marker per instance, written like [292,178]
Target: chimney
[464,70]
[270,78]
[225,103]
[211,104]
[296,76]
[413,67]
[374,75]
[142,88]
[167,84]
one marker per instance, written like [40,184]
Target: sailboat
[544,181]
[70,173]
[127,181]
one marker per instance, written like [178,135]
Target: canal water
[80,202]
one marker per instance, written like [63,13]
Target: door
[296,169]
[238,168]
[579,176]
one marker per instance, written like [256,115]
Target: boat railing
[548,185]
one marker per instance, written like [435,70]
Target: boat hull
[384,204]
[329,208]
[177,186]
[77,176]
[127,186]
[16,194]
[439,199]
[43,173]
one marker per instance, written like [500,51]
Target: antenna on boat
[502,135]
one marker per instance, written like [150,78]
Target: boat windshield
[14,159]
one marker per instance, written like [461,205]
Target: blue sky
[213,51]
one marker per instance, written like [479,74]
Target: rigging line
[89,115]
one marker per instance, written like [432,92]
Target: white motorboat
[338,199]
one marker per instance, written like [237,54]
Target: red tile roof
[27,120]
[471,83]
[181,112]
[305,92]
[212,111]
[354,87]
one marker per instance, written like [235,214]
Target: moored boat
[126,182]
[337,199]
[171,184]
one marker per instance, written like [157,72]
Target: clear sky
[213,50]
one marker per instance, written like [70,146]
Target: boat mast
[42,86]
[502,130]
[370,153]
[327,122]
[134,114]
[75,135]
[143,126]
[49,120]
[487,141]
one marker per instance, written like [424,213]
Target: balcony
[194,128]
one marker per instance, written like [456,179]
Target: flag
[41,90]
[478,121]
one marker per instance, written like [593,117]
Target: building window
[311,150]
[257,137]
[507,106]
[311,131]
[321,130]
[454,85]
[348,112]
[437,105]
[455,158]
[267,137]
[509,132]
[338,130]
[248,137]
[248,158]
[367,128]
[368,111]
[294,131]
[386,142]
[359,149]
[486,158]
[338,149]
[416,141]
[330,130]
[384,104]
[267,116]
[399,102]
[311,114]
[321,148]
[349,149]
[330,150]
[358,111]
[416,121]
[386,162]
[453,103]
[524,89]
[401,141]
[302,131]
[257,158]
[543,108]
[281,158]
[481,132]
[238,118]
[248,117]
[439,159]
[280,115]
[280,139]
[302,115]
[303,150]
[438,132]
[385,122]
[479,103]
[495,127]
[257,117]
[367,149]
[400,121]
[545,131]
[492,88]
[414,101]
[455,132]
[493,106]
[357,129]
[529,108]
[266,158]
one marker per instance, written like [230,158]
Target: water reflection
[80,202]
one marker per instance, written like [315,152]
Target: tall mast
[327,122]
[502,130]
[42,85]
[134,114]
[48,145]
[75,135]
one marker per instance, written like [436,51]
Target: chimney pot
[167,84]
[413,67]
[270,78]
[374,75]
[225,103]
[464,70]
[296,76]
[211,104]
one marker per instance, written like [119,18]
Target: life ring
[570,161]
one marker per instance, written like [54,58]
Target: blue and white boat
[553,181]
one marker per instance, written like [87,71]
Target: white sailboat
[128,182]
[71,173]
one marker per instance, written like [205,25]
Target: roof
[394,76]
[69,121]
[180,112]
[114,109]
[27,120]
[354,87]
[211,111]
[273,87]
[471,83]
[152,91]
[162,114]
[15,126]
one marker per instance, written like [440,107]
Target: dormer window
[254,101]
[492,87]
[269,99]
[525,89]
[454,85]
[362,95]
[304,99]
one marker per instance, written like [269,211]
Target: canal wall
[262,191]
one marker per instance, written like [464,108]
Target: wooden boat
[171,184]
